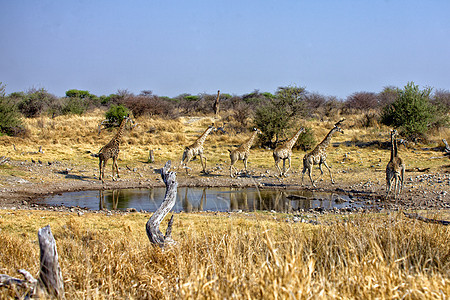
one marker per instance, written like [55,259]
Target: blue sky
[335,48]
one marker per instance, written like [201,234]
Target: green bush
[115,115]
[74,106]
[411,112]
[36,102]
[10,122]
[276,116]
[306,140]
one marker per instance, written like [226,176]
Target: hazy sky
[334,47]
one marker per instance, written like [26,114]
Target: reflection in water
[202,199]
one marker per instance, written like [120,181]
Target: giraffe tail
[94,154]
[229,150]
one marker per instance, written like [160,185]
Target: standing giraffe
[111,150]
[196,149]
[284,152]
[395,169]
[242,152]
[319,155]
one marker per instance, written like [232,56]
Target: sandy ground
[422,190]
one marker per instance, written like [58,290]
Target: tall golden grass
[240,256]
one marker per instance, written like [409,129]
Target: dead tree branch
[152,227]
[50,277]
[427,220]
[50,280]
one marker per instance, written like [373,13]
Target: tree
[115,115]
[9,116]
[362,101]
[411,112]
[276,116]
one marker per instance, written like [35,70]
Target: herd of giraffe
[395,169]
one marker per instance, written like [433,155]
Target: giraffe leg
[389,180]
[100,176]
[289,160]
[245,164]
[396,186]
[113,168]
[321,171]
[310,175]
[201,161]
[116,166]
[304,168]
[103,171]
[277,160]
[188,158]
[402,177]
[329,170]
[284,167]
[232,167]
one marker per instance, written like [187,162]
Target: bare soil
[422,190]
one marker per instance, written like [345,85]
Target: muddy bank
[421,190]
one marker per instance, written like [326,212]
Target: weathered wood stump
[50,281]
[155,236]
[151,157]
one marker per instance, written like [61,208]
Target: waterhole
[205,199]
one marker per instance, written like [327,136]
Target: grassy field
[238,255]
[258,255]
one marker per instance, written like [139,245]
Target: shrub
[361,101]
[277,114]
[411,112]
[115,114]
[149,105]
[35,102]
[74,106]
[10,122]
[387,96]
[306,140]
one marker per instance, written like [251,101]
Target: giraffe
[395,169]
[111,150]
[284,152]
[196,149]
[242,152]
[318,156]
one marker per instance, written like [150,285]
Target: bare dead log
[50,280]
[427,220]
[50,276]
[151,157]
[4,160]
[152,227]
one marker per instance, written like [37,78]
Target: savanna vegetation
[229,255]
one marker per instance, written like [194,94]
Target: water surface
[203,199]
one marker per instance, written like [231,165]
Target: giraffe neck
[327,139]
[246,146]
[395,147]
[290,143]
[202,138]
[119,133]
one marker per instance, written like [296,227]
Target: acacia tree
[411,112]
[276,116]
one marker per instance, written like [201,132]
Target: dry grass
[254,256]
[71,139]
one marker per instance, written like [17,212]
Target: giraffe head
[257,130]
[337,126]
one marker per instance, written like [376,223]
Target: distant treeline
[286,104]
